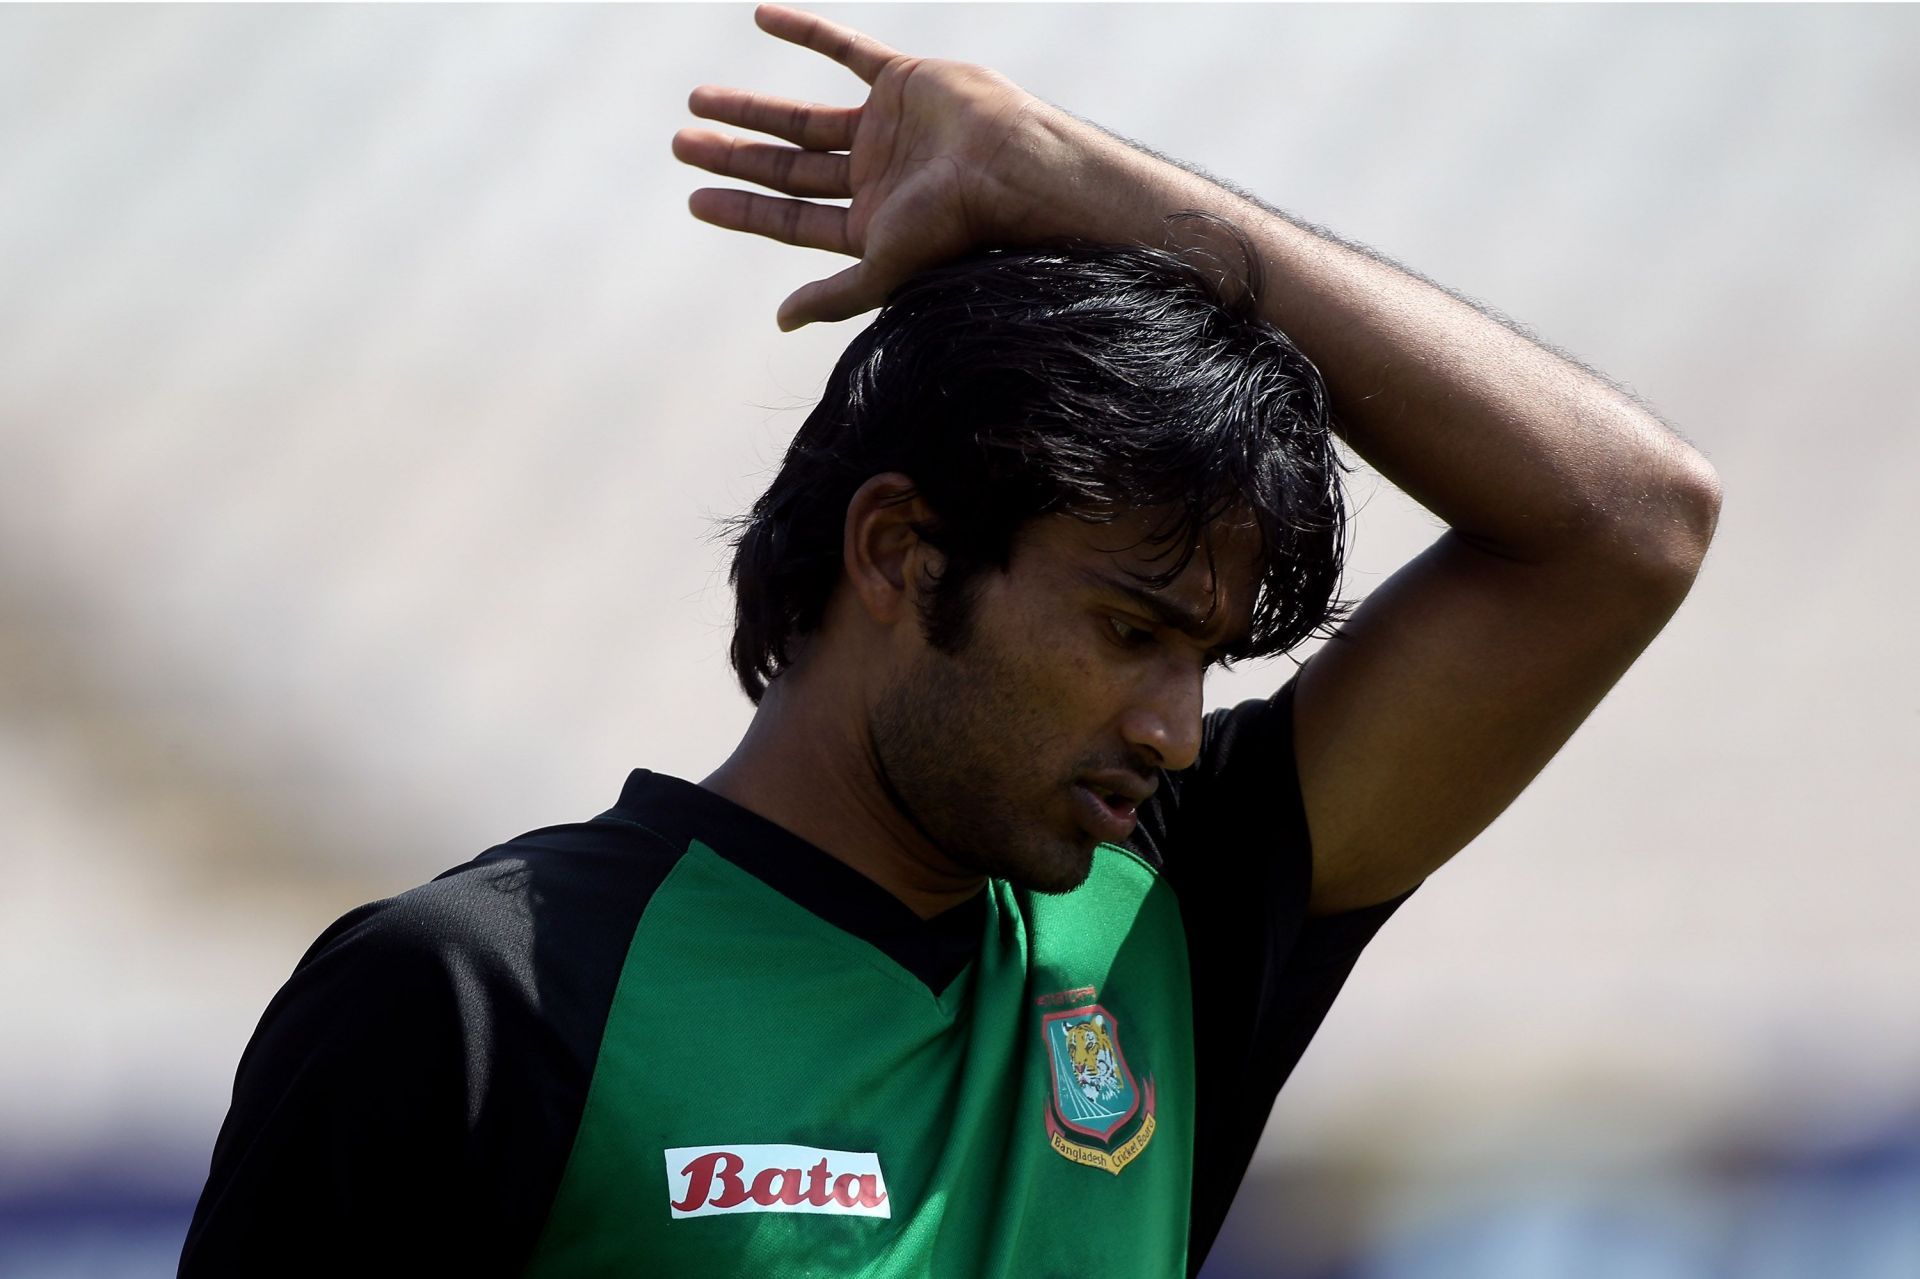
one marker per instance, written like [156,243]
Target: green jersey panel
[1023,1121]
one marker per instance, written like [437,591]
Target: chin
[1060,869]
[1056,887]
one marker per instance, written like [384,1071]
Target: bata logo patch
[705,1181]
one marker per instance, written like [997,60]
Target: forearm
[1522,452]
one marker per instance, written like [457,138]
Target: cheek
[1060,711]
[1049,683]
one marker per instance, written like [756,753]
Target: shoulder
[428,1060]
[498,926]
[510,957]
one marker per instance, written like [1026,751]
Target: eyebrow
[1166,611]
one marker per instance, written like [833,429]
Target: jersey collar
[933,950]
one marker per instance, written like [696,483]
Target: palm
[913,162]
[921,154]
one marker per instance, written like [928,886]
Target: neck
[807,764]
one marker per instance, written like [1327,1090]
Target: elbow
[1704,494]
[1675,514]
[1694,504]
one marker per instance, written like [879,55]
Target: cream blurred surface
[368,399]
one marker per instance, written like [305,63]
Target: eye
[1128,634]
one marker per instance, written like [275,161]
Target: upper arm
[416,1086]
[348,1120]
[1444,694]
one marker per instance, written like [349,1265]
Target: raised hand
[941,158]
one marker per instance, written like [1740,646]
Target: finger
[861,54]
[840,296]
[805,124]
[788,170]
[812,226]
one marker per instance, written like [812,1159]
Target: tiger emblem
[1096,1067]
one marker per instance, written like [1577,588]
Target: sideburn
[947,601]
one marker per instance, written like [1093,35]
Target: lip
[1127,785]
[1101,819]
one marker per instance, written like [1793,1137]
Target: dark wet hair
[1079,379]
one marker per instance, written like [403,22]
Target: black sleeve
[411,1095]
[1230,835]
[344,1144]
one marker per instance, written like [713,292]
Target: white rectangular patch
[706,1181]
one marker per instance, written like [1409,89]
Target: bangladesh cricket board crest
[1094,1094]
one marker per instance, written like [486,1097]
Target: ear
[885,560]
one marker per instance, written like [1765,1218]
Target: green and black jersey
[679,1040]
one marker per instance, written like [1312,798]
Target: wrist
[1073,179]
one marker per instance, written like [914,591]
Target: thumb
[840,296]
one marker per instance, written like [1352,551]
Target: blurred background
[368,399]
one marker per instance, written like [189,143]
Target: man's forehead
[1225,553]
[1212,595]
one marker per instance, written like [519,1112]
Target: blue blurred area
[1852,1212]
[94,1227]
[1848,1213]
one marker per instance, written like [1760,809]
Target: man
[985,953]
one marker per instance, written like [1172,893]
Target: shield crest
[1094,1092]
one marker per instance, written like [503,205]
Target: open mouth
[1106,814]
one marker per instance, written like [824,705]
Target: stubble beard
[948,740]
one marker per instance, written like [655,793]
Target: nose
[1165,715]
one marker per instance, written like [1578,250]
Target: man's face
[1032,744]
